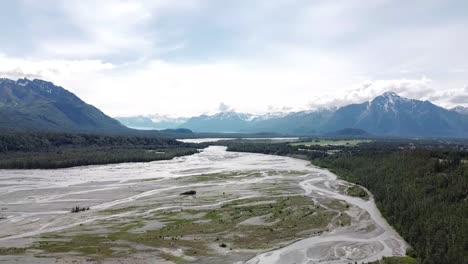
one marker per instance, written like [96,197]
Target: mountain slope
[41,106]
[297,123]
[221,122]
[461,110]
[390,114]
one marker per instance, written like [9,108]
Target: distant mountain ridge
[37,105]
[231,121]
[461,110]
[388,115]
[152,121]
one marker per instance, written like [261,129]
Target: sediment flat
[246,208]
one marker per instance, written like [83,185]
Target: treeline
[59,150]
[395,260]
[30,141]
[424,197]
[264,148]
[86,156]
[421,188]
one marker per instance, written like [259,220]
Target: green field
[352,142]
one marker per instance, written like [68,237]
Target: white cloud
[450,98]
[225,108]
[149,87]
[52,69]
[184,57]
[414,88]
[111,28]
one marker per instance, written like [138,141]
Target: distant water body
[204,140]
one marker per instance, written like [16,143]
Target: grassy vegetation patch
[12,251]
[216,177]
[282,219]
[343,220]
[120,210]
[238,175]
[172,258]
[86,244]
[351,142]
[288,217]
[357,191]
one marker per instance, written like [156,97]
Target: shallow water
[205,140]
[34,202]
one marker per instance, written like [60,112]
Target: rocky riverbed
[237,208]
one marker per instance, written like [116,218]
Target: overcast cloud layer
[189,57]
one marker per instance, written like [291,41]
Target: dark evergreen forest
[420,187]
[59,150]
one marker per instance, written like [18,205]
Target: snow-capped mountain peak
[23,82]
[388,101]
[271,115]
[390,95]
[460,109]
[165,118]
[231,115]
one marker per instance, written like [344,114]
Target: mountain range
[37,105]
[388,115]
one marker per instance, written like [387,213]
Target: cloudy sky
[188,57]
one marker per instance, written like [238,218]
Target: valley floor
[245,208]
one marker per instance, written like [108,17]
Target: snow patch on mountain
[460,109]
